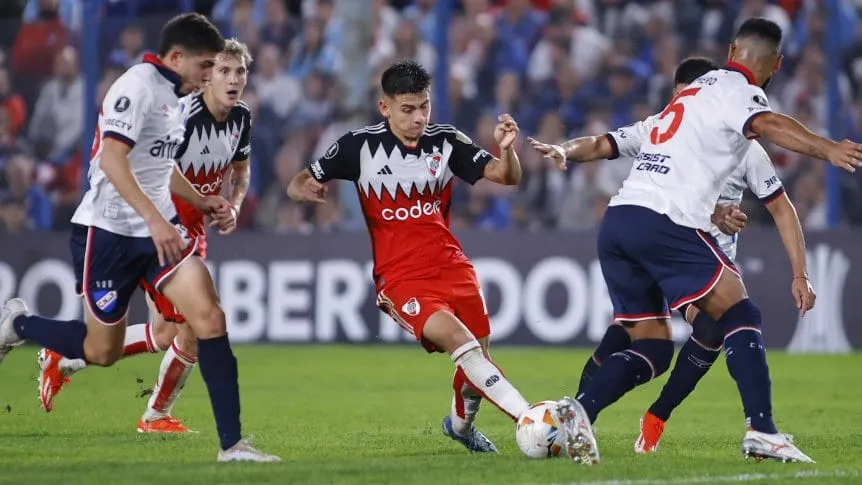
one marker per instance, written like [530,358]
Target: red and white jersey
[142,110]
[405,193]
[693,146]
[209,148]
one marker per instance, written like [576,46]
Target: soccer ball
[539,433]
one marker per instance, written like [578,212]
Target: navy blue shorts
[108,268]
[651,263]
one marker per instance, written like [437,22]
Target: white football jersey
[690,149]
[756,173]
[142,110]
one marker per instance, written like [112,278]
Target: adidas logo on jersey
[206,150]
[385,171]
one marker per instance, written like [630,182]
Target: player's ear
[731,51]
[777,65]
[383,106]
[174,57]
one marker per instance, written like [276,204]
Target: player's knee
[707,332]
[103,356]
[447,333]
[164,333]
[659,353]
[209,321]
[744,314]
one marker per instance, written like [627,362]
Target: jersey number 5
[675,108]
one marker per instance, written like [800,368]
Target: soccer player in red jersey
[403,169]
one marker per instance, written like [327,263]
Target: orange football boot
[167,424]
[651,431]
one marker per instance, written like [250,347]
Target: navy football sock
[622,371]
[219,371]
[692,363]
[66,337]
[746,361]
[616,339]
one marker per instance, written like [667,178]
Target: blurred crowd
[562,68]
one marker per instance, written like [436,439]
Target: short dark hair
[192,32]
[761,29]
[405,77]
[692,68]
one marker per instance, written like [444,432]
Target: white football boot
[243,451]
[778,446]
[580,438]
[9,339]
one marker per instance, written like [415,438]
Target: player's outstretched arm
[792,135]
[505,170]
[304,188]
[785,217]
[579,150]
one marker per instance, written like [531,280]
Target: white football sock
[140,339]
[465,403]
[70,366]
[488,379]
[173,374]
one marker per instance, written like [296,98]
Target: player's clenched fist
[555,153]
[214,205]
[310,191]
[506,131]
[223,214]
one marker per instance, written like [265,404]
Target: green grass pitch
[366,414]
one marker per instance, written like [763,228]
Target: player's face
[229,77]
[407,113]
[195,70]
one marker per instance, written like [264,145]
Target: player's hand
[555,153]
[225,220]
[847,155]
[168,241]
[506,131]
[212,205]
[803,294]
[729,219]
[311,191]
